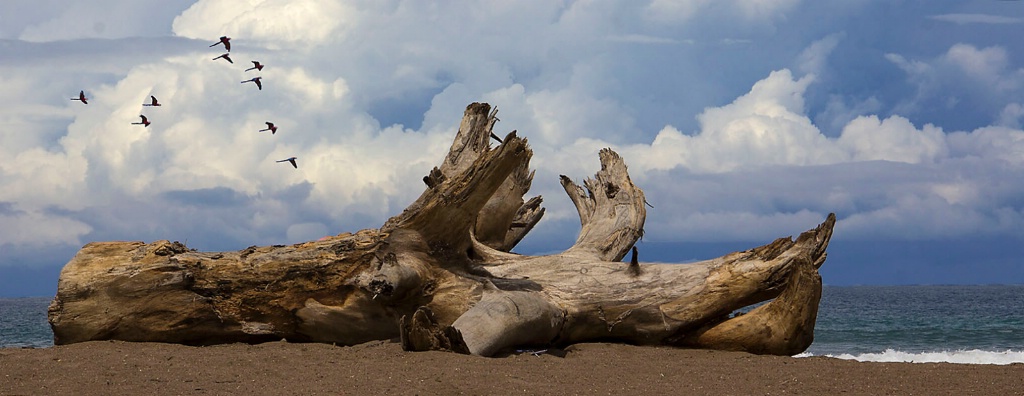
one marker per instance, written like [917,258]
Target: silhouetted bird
[152,102]
[145,121]
[81,96]
[226,57]
[270,127]
[224,40]
[256,66]
[255,80]
[292,160]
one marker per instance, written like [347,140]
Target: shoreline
[974,356]
[105,367]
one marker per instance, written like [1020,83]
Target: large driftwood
[440,275]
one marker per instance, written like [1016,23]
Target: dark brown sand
[109,368]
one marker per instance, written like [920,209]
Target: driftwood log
[439,276]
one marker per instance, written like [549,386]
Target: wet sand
[382,368]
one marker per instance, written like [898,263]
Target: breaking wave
[974,356]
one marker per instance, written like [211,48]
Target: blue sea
[958,324]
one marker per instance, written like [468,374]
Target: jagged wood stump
[439,276]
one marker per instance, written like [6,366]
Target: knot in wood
[380,287]
[610,189]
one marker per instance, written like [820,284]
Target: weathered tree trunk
[440,275]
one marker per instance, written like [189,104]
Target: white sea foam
[974,356]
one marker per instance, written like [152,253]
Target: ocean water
[958,324]
[23,323]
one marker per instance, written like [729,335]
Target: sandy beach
[382,368]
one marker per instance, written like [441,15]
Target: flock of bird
[226,42]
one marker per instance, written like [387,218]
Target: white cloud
[276,23]
[987,65]
[812,59]
[838,112]
[303,232]
[892,139]
[911,67]
[37,179]
[106,19]
[684,10]
[38,229]
[348,82]
[16,15]
[766,126]
[675,10]
[992,143]
[762,8]
[645,39]
[1011,115]
[762,147]
[964,78]
[963,19]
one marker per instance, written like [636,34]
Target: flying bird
[292,160]
[270,127]
[81,96]
[152,102]
[255,80]
[255,66]
[224,40]
[226,57]
[145,121]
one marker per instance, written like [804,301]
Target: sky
[742,121]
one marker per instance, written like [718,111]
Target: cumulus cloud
[766,126]
[730,142]
[106,19]
[759,161]
[275,23]
[892,139]
[838,112]
[39,229]
[964,78]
